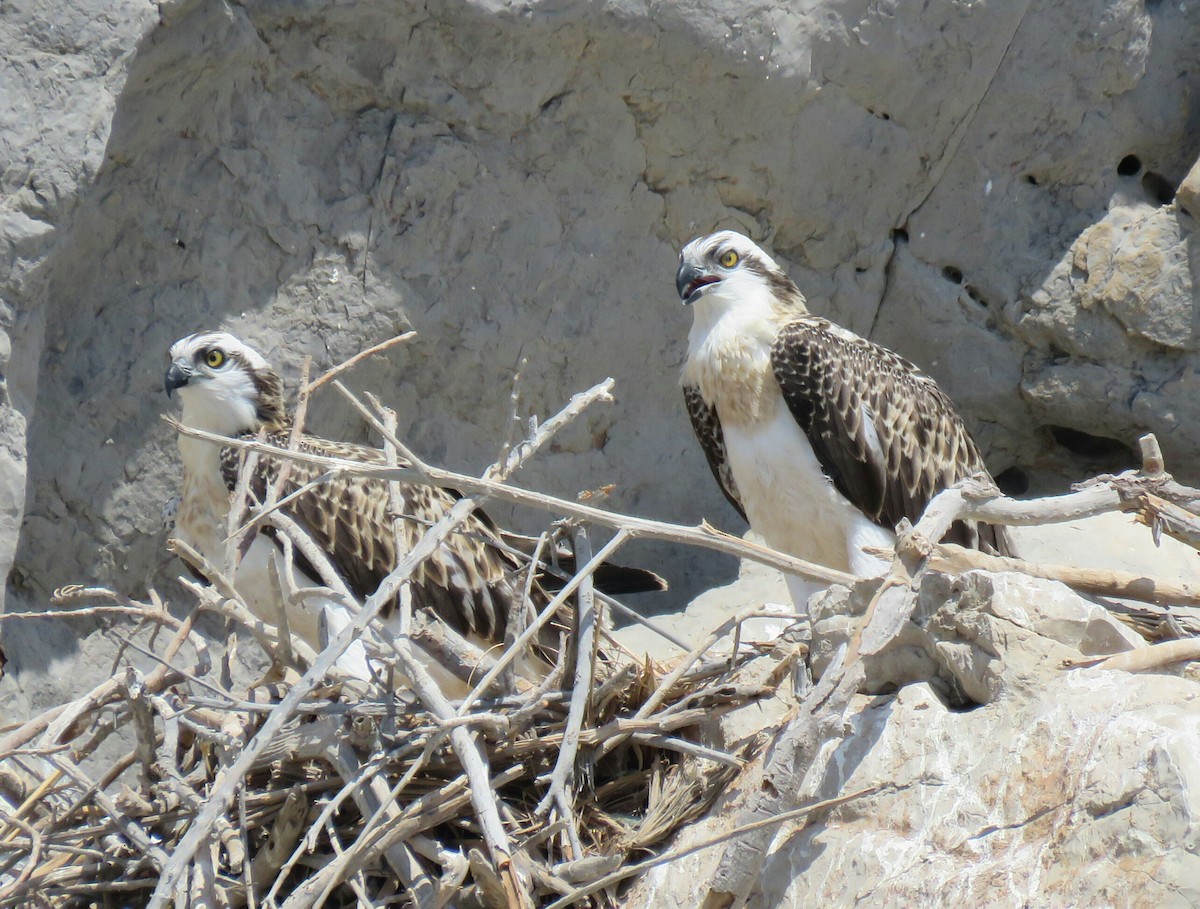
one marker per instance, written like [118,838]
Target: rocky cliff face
[986,188]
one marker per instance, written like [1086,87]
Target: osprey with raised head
[473,581]
[821,439]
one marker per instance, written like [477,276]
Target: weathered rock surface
[1083,795]
[514,179]
[986,188]
[1067,788]
[974,637]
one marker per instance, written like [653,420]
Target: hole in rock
[1083,443]
[950,273]
[899,235]
[974,294]
[1013,482]
[1129,166]
[1158,187]
[1031,179]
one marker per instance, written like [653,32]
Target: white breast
[794,506]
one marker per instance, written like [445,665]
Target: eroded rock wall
[984,187]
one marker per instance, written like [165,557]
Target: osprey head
[731,266]
[225,384]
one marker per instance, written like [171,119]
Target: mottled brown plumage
[807,427]
[834,382]
[707,425]
[468,579]
[473,580]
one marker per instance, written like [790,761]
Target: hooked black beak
[176,377]
[690,280]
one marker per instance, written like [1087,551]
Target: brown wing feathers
[473,579]
[707,425]
[885,434]
[466,581]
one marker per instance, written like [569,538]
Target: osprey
[472,582]
[821,439]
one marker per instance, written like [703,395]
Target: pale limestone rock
[514,179]
[975,637]
[1187,197]
[1068,788]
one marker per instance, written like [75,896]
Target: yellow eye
[728,259]
[215,358]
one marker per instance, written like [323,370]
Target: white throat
[745,308]
[223,405]
[729,349]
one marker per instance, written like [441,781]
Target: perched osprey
[471,582]
[821,439]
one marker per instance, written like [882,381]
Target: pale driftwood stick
[320,559]
[794,773]
[540,622]
[55,724]
[600,392]
[284,580]
[423,813]
[355,360]
[500,471]
[703,535]
[1153,656]
[203,886]
[560,791]
[241,497]
[87,612]
[245,894]
[1166,517]
[230,779]
[675,855]
[976,499]
[35,853]
[618,606]
[223,598]
[519,618]
[473,758]
[130,829]
[959,503]
[397,509]
[514,404]
[683,746]
[653,702]
[154,611]
[451,650]
[285,832]
[143,722]
[377,804]
[954,559]
[1153,465]
[620,726]
[265,511]
[306,839]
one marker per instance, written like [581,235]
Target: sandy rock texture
[1054,788]
[984,187]
[1084,798]
[988,188]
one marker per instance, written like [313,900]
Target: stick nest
[360,798]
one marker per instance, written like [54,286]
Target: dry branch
[703,535]
[423,798]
